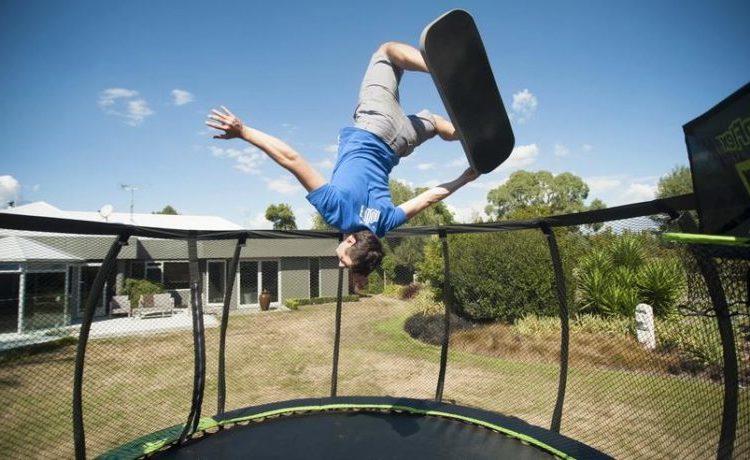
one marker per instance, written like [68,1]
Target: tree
[318,223]
[596,204]
[169,210]
[282,217]
[533,194]
[678,182]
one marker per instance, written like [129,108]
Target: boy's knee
[386,48]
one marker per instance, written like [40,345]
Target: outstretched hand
[225,121]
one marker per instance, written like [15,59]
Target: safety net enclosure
[582,335]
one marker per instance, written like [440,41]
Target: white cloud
[638,192]
[325,164]
[602,184]
[303,217]
[467,214]
[248,160]
[182,97]
[108,97]
[561,150]
[137,111]
[249,163]
[123,103]
[259,222]
[521,157]
[524,105]
[587,147]
[282,185]
[431,183]
[486,184]
[331,148]
[425,166]
[9,190]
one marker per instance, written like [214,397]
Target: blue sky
[101,93]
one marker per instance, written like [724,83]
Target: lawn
[137,385]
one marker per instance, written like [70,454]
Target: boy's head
[361,251]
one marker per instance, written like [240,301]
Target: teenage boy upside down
[357,200]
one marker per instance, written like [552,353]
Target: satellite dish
[105,211]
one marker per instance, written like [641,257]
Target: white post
[644,326]
[21,299]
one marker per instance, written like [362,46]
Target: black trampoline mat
[357,435]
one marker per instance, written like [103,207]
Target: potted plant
[265,300]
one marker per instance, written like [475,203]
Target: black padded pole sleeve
[447,302]
[729,353]
[222,383]
[337,332]
[199,341]
[562,298]
[79,436]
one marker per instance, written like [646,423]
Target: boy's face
[342,251]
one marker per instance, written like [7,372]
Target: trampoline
[363,428]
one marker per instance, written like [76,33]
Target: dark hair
[366,253]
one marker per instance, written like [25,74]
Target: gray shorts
[379,110]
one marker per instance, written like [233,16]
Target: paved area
[115,327]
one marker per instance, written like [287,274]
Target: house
[45,277]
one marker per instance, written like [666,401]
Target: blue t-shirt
[357,196]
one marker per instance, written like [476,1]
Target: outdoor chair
[152,305]
[120,305]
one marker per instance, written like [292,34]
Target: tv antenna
[130,188]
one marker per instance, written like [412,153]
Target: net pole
[447,302]
[337,331]
[199,341]
[79,436]
[729,353]
[562,298]
[222,384]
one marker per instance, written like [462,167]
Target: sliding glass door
[256,276]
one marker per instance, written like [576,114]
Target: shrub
[375,283]
[544,326]
[618,275]
[661,282]
[135,288]
[409,291]
[392,290]
[424,303]
[501,276]
[430,328]
[294,304]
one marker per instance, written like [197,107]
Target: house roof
[17,249]
[181,222]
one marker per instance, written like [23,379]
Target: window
[248,283]
[314,278]
[137,270]
[9,290]
[44,300]
[153,272]
[88,273]
[216,282]
[270,278]
[176,275]
[258,274]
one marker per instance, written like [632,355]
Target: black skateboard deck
[454,53]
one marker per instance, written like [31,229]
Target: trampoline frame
[545,440]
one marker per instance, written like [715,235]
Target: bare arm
[420,202]
[278,150]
